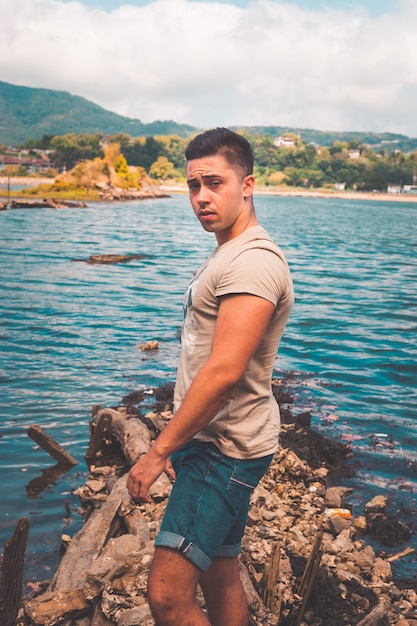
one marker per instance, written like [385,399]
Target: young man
[226,421]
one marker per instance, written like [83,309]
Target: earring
[245,197]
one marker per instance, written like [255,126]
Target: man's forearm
[205,397]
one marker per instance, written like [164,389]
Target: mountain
[28,113]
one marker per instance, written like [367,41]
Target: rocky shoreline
[105,193]
[305,560]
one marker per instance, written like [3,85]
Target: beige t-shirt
[248,425]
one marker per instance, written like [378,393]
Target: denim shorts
[209,503]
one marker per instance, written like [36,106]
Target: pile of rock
[304,558]
[112,193]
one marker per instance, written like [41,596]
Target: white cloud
[211,63]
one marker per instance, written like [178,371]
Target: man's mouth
[205,215]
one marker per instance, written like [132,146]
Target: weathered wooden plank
[12,573]
[50,445]
[374,617]
[270,582]
[307,582]
[84,547]
[98,432]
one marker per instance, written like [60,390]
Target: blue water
[70,336]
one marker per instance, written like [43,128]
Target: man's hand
[144,473]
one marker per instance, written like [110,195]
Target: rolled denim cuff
[188,549]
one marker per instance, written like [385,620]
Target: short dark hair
[233,147]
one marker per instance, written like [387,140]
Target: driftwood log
[132,435]
[12,574]
[105,522]
[50,445]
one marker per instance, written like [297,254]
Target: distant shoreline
[311,193]
[26,181]
[261,191]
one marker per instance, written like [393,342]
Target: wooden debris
[271,596]
[50,445]
[133,436]
[400,555]
[307,580]
[12,573]
[53,608]
[98,433]
[374,617]
[85,547]
[110,259]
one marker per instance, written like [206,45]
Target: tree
[14,170]
[39,144]
[71,148]
[276,179]
[296,177]
[162,168]
[116,165]
[173,148]
[266,152]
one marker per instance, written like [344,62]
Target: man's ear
[248,185]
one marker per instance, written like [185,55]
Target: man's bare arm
[241,324]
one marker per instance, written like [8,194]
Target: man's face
[217,193]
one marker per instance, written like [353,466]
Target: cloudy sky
[322,64]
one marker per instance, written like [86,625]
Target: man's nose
[203,195]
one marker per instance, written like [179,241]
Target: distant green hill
[389,141]
[28,113]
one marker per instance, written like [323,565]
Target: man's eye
[214,183]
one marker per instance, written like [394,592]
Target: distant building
[22,159]
[411,189]
[284,142]
[393,188]
[354,154]
[340,186]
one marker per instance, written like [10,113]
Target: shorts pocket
[240,489]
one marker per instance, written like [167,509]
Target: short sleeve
[257,271]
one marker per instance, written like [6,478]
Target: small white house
[412,189]
[284,142]
[354,154]
[392,188]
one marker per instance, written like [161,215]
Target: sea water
[70,337]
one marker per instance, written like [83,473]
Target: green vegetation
[31,113]
[88,177]
[286,161]
[348,165]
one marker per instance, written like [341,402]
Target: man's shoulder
[255,239]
